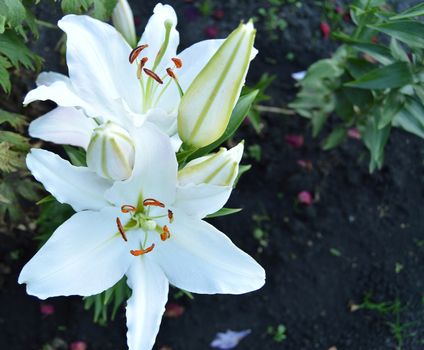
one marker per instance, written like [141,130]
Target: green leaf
[14,11]
[12,47]
[224,212]
[336,137]
[103,9]
[4,74]
[358,67]
[380,53]
[238,115]
[388,77]
[411,117]
[375,140]
[397,51]
[392,104]
[17,141]
[415,11]
[16,121]
[76,155]
[409,32]
[75,6]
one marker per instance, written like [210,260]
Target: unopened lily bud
[220,168]
[111,152]
[206,107]
[123,21]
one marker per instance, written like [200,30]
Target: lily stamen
[153,75]
[128,208]
[139,252]
[170,216]
[134,53]
[153,202]
[121,229]
[178,62]
[165,234]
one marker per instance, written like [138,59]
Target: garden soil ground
[363,235]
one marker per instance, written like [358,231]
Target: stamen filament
[174,78]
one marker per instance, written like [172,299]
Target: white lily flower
[149,230]
[103,85]
[206,107]
[123,21]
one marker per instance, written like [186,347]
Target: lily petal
[155,170]
[201,199]
[77,186]
[147,303]
[57,88]
[200,259]
[97,59]
[84,256]
[64,125]
[154,36]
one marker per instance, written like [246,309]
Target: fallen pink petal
[174,310]
[305,197]
[325,30]
[78,345]
[211,32]
[353,133]
[46,309]
[229,339]
[295,141]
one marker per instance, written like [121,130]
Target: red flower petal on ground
[353,133]
[211,32]
[305,197]
[295,141]
[325,30]
[78,345]
[174,310]
[46,309]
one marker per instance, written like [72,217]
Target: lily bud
[123,21]
[206,107]
[220,168]
[111,152]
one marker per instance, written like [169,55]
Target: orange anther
[121,229]
[134,53]
[139,252]
[165,234]
[128,208]
[170,216]
[153,75]
[140,66]
[153,202]
[178,63]
[171,73]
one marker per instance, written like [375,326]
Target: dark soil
[363,235]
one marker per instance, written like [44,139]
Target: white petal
[147,303]
[77,186]
[202,199]
[155,170]
[200,259]
[84,256]
[57,88]
[64,125]
[97,59]
[154,36]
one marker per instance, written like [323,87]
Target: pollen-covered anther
[139,252]
[121,229]
[135,52]
[153,202]
[165,234]
[178,62]
[153,75]
[171,73]
[170,216]
[128,208]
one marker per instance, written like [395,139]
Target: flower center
[141,219]
[148,87]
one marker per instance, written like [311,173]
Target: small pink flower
[305,197]
[174,310]
[295,141]
[353,133]
[78,345]
[46,309]
[325,30]
[211,32]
